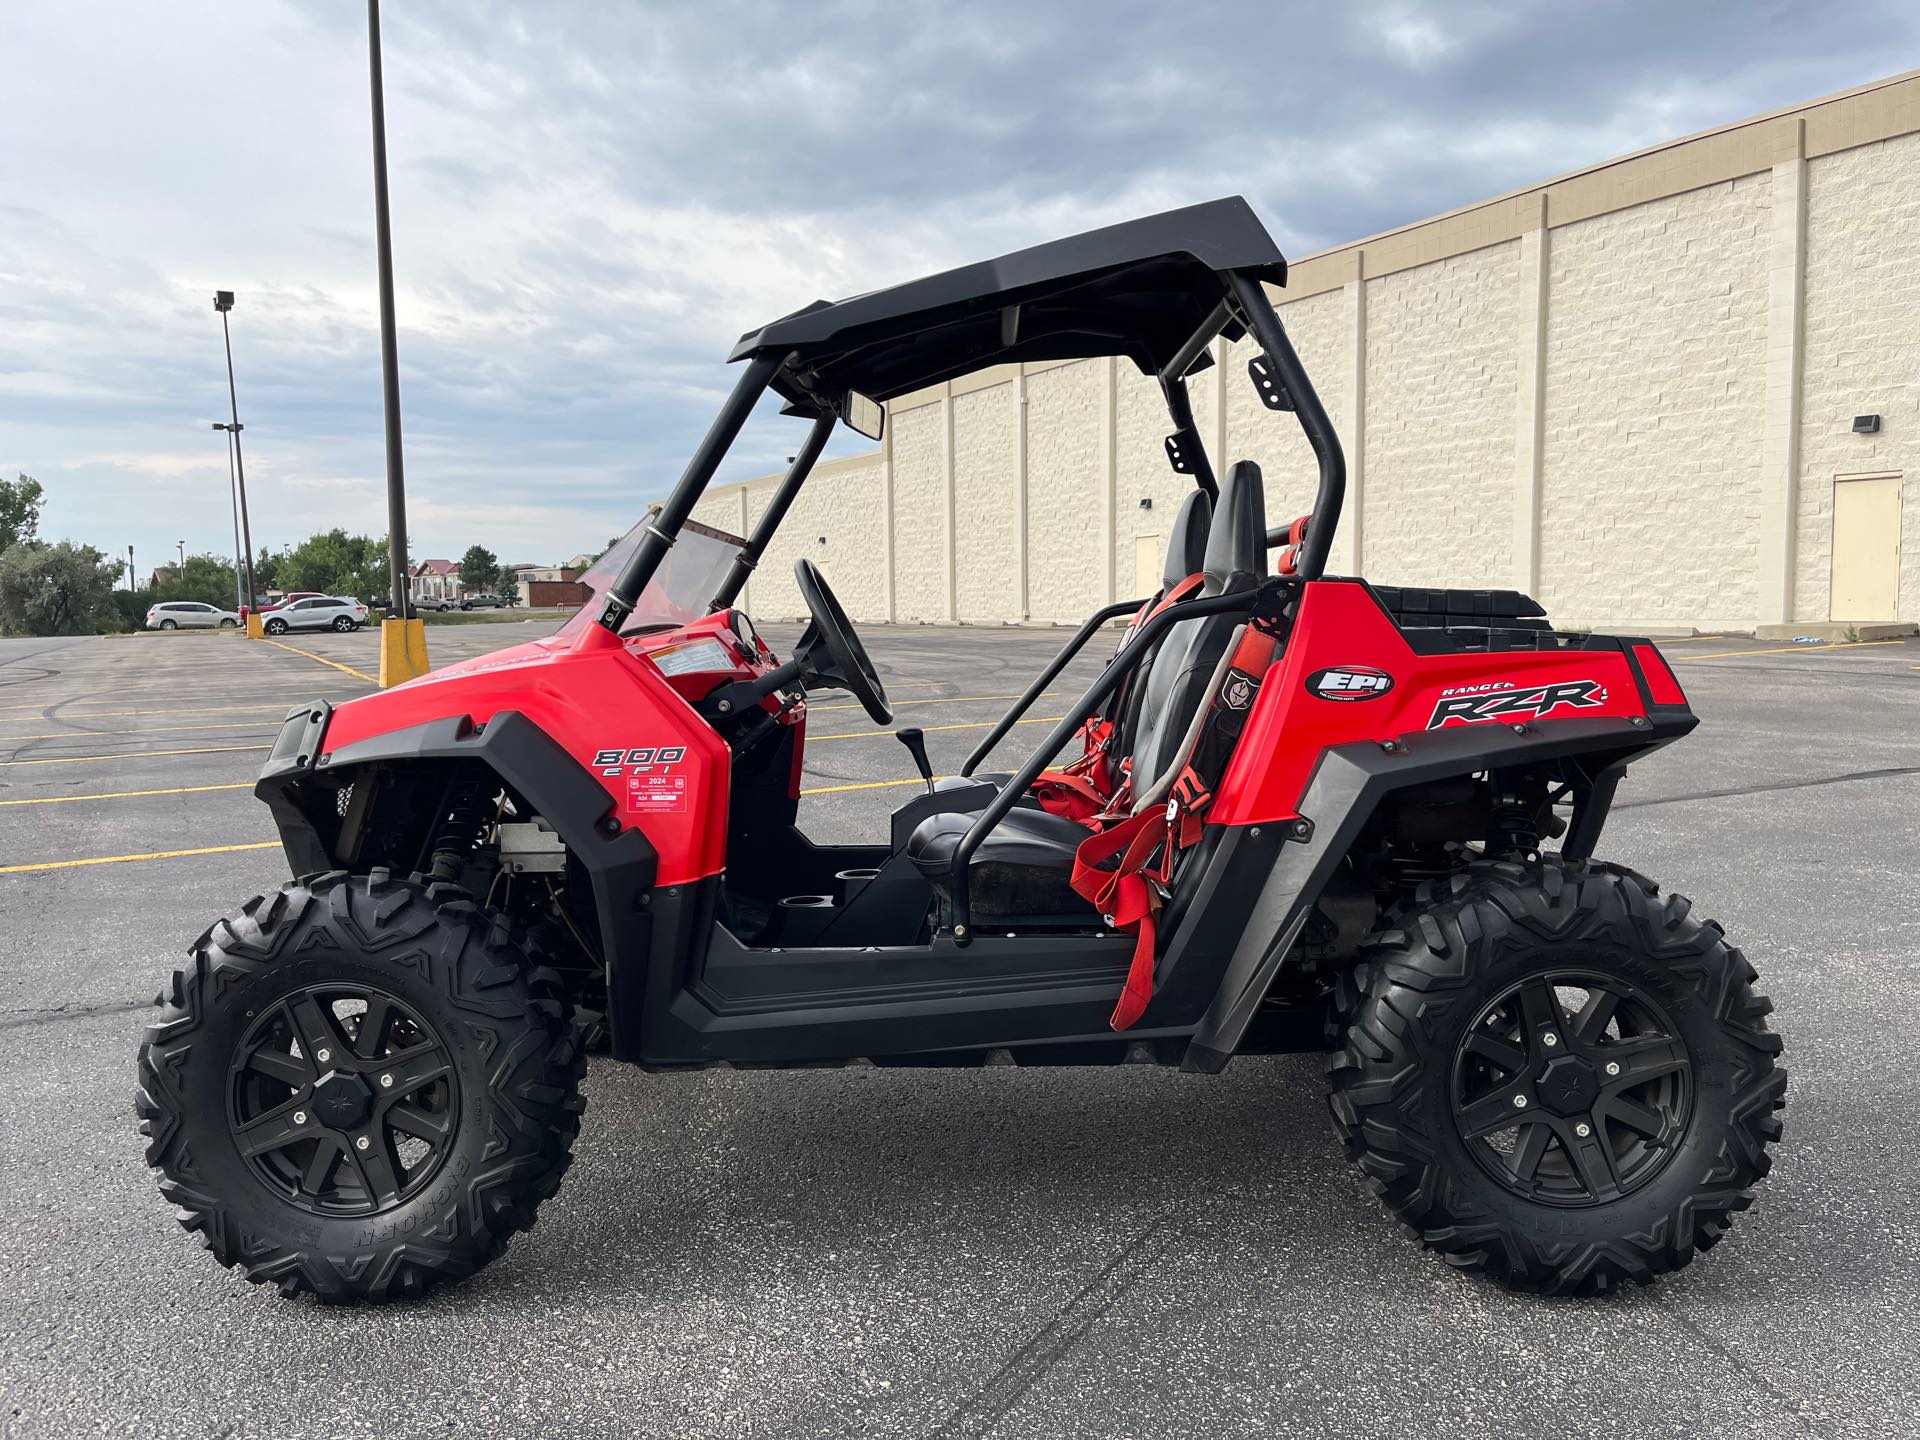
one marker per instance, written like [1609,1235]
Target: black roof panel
[1137,289]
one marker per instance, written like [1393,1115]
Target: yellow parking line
[124,859]
[866,785]
[1793,649]
[115,734]
[130,794]
[138,755]
[980,725]
[271,708]
[945,700]
[348,669]
[160,700]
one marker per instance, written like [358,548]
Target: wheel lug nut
[362,1143]
[386,1082]
[1519,1102]
[1583,1129]
[1549,1039]
[1613,1067]
[299,1117]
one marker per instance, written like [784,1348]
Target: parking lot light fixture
[223,303]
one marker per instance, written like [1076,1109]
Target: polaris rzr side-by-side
[1294,811]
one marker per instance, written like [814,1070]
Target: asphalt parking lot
[928,1253]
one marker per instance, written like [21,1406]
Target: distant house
[543,586]
[436,582]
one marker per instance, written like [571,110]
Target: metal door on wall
[1866,548]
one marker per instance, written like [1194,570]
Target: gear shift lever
[915,740]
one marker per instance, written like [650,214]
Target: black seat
[1022,867]
[1186,554]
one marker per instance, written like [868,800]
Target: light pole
[403,641]
[389,345]
[223,302]
[131,583]
[233,494]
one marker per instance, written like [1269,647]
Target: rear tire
[169,625]
[297,1169]
[1565,1181]
[342,624]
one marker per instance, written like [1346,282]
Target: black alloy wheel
[1556,1074]
[1572,1088]
[342,1100]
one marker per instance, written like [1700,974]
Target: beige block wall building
[1630,392]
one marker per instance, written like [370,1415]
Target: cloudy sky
[592,200]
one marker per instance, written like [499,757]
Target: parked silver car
[189,615]
[317,612]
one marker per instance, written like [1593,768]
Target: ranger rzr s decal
[1468,704]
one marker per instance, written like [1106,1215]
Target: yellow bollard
[403,651]
[254,630]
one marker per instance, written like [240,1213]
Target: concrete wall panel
[1064,474]
[1442,377]
[1862,350]
[986,438]
[1656,351]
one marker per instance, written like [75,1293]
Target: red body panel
[605,701]
[1340,626]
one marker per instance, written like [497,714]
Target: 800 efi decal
[1469,704]
[652,785]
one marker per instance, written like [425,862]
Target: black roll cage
[803,375]
[1244,306]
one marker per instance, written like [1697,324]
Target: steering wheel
[845,662]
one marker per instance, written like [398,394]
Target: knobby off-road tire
[473,1044]
[1452,1018]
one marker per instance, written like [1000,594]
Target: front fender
[621,864]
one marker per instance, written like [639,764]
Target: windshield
[681,590]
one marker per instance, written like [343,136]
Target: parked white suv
[317,612]
[189,615]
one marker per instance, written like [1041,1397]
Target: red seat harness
[1144,846]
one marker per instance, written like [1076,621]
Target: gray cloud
[591,201]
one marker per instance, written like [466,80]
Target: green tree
[266,570]
[371,578]
[63,589]
[208,578]
[20,502]
[479,570]
[336,563]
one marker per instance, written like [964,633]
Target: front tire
[362,1087]
[1553,1074]
[276,626]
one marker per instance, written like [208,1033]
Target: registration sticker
[692,658]
[656,794]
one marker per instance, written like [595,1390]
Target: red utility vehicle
[1295,811]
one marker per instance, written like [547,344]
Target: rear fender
[1346,788]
